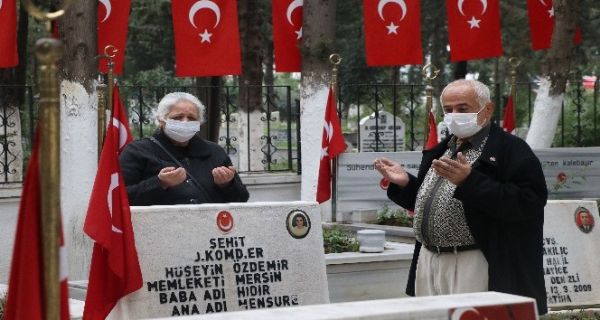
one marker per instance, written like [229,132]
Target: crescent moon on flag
[293,6]
[114,183]
[542,1]
[0,4]
[122,131]
[483,2]
[460,311]
[400,3]
[204,4]
[108,7]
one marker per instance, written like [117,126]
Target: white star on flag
[392,28]
[551,12]
[474,22]
[205,36]
[328,127]
[299,33]
[324,152]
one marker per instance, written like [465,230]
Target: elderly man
[479,202]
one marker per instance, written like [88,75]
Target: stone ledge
[396,251]
[10,190]
[270,178]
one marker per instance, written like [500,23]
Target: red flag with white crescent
[541,24]
[332,144]
[474,29]
[432,138]
[26,297]
[207,39]
[115,270]
[8,34]
[287,34]
[392,32]
[509,121]
[113,21]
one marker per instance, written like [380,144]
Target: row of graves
[232,258]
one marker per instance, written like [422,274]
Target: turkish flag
[287,33]
[8,34]
[392,32]
[520,311]
[115,270]
[207,38]
[113,21]
[432,138]
[508,121]
[474,29]
[332,144]
[541,24]
[26,298]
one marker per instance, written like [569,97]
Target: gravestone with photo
[381,133]
[217,258]
[571,264]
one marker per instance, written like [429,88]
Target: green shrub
[390,217]
[336,240]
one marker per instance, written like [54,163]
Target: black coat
[142,160]
[504,199]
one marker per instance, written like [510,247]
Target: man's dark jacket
[504,199]
[142,160]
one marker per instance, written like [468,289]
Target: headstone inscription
[217,258]
[381,133]
[571,264]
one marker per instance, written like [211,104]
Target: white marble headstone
[571,247]
[216,258]
[389,130]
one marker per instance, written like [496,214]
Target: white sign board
[381,133]
[360,186]
[201,259]
[571,173]
[571,247]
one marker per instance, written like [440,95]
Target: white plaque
[217,258]
[571,264]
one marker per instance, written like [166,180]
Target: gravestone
[571,264]
[360,186]
[387,127]
[217,258]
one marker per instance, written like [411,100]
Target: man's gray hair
[481,91]
[170,99]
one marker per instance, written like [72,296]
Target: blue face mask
[462,125]
[181,131]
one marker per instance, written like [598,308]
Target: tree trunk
[209,93]
[551,93]
[250,123]
[78,127]
[318,34]
[460,70]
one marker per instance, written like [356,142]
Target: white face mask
[181,131]
[462,125]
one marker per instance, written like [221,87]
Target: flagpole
[335,60]
[430,72]
[105,94]
[48,51]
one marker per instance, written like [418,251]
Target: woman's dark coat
[142,160]
[504,199]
